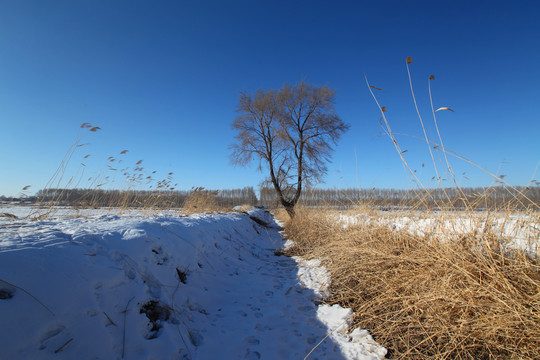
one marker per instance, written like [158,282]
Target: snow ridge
[163,287]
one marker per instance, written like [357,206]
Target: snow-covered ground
[163,286]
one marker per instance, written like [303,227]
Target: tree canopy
[291,132]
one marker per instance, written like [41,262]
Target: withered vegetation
[464,296]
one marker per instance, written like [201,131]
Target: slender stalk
[390,134]
[424,130]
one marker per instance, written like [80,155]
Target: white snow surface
[86,287]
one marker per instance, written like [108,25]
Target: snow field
[164,287]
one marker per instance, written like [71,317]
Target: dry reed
[459,286]
[466,297]
[201,200]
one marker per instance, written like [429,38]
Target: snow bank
[162,287]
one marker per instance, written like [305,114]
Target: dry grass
[466,297]
[201,200]
[444,287]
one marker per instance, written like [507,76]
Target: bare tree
[291,132]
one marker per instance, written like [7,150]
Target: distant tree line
[25,198]
[142,198]
[520,197]
[476,198]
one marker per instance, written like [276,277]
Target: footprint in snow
[252,340]
[257,312]
[262,327]
[160,257]
[252,355]
[305,308]
[278,286]
[51,332]
[241,313]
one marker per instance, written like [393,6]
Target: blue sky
[162,78]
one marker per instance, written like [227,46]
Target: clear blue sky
[162,78]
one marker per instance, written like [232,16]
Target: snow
[97,285]
[313,275]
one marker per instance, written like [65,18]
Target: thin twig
[330,333]
[424,130]
[63,346]
[112,322]
[124,332]
[452,175]
[388,131]
[32,296]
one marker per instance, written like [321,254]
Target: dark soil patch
[156,313]
[259,221]
[182,275]
[6,293]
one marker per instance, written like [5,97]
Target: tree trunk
[290,210]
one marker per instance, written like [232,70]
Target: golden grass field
[465,295]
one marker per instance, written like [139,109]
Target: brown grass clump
[466,297]
[201,200]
